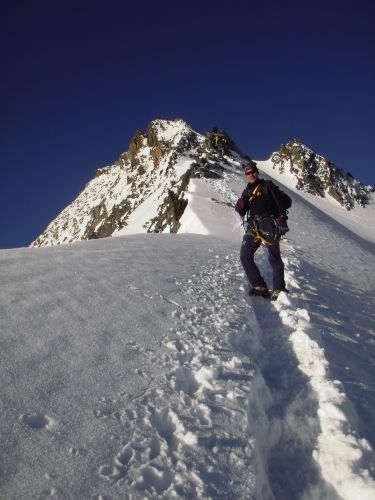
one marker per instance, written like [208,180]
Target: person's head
[214,130]
[251,172]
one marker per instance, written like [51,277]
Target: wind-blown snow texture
[136,366]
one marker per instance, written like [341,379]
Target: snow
[123,181]
[360,220]
[171,130]
[149,208]
[138,367]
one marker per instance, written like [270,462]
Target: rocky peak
[319,176]
[147,183]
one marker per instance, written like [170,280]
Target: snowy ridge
[344,458]
[145,189]
[145,173]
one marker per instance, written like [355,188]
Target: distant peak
[317,175]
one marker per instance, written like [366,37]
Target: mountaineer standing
[265,206]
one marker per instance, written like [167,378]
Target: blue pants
[248,249]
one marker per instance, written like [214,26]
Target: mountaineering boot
[261,291]
[277,292]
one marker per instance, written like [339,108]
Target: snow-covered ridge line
[145,189]
[341,455]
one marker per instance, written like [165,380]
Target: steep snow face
[144,191]
[316,175]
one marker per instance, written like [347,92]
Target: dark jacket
[265,202]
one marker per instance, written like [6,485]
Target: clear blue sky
[79,77]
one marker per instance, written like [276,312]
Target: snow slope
[136,366]
[360,220]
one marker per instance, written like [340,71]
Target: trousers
[248,248]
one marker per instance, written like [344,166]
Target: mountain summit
[148,183]
[145,190]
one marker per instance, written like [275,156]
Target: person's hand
[281,224]
[242,206]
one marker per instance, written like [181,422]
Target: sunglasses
[251,172]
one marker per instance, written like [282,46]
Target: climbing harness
[253,226]
[261,235]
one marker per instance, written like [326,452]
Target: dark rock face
[318,176]
[172,208]
[106,223]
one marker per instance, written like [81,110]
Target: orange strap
[255,193]
[258,236]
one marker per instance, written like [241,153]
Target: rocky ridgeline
[154,172]
[319,176]
[145,189]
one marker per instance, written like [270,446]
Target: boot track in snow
[237,416]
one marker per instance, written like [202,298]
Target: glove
[242,206]
[281,224]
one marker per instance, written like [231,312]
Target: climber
[213,139]
[266,208]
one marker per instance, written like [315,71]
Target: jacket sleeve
[243,204]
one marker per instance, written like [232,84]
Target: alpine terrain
[134,364]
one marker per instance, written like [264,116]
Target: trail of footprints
[188,435]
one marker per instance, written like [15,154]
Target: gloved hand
[242,206]
[281,224]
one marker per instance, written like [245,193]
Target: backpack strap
[269,188]
[256,192]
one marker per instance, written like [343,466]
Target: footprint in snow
[111,473]
[124,457]
[48,493]
[36,421]
[155,480]
[155,448]
[183,379]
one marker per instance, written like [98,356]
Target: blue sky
[79,77]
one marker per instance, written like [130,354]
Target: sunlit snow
[138,367]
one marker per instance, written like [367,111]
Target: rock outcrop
[319,176]
[145,187]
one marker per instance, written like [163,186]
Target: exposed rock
[146,185]
[172,208]
[155,170]
[104,224]
[318,176]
